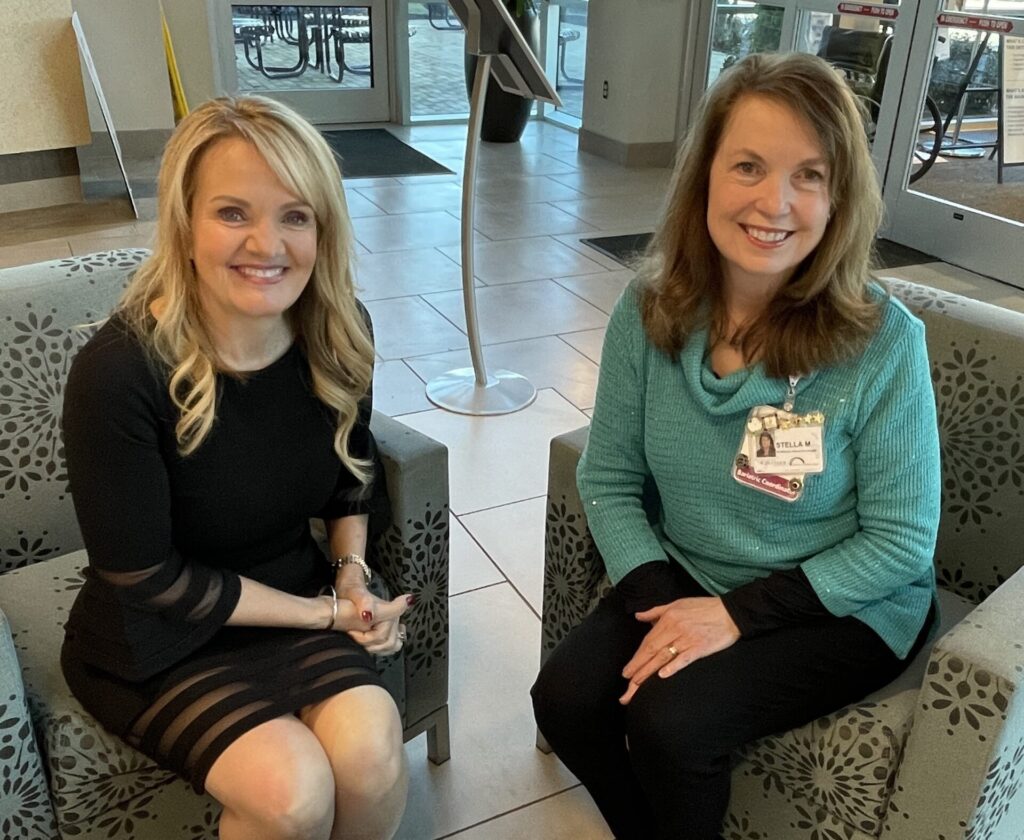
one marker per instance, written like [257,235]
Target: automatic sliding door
[966,71]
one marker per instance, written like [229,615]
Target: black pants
[660,767]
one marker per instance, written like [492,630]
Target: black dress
[146,651]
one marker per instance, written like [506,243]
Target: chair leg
[542,744]
[438,738]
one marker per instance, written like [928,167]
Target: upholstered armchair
[939,753]
[61,774]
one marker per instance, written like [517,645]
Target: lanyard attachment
[791,393]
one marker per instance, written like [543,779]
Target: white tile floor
[544,299]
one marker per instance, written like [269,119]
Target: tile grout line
[509,811]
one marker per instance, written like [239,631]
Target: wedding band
[401,634]
[672,652]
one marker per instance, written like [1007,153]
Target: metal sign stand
[490,34]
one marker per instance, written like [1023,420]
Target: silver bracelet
[357,560]
[334,605]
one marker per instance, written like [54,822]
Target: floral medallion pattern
[206,827]
[844,762]
[980,424]
[920,298]
[126,258]
[1003,783]
[39,337]
[24,801]
[572,570]
[816,823]
[981,431]
[413,557]
[26,550]
[92,770]
[741,828]
[968,697]
[34,364]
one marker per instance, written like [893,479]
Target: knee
[664,729]
[295,803]
[552,701]
[562,704]
[371,764]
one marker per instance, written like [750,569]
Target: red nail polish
[410,600]
[367,616]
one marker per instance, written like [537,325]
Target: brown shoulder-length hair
[824,314]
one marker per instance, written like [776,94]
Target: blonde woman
[224,404]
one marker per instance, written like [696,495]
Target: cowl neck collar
[739,391]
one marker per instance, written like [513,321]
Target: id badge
[779,449]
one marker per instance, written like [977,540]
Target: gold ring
[672,652]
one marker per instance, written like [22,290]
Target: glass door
[567,57]
[965,71]
[861,40]
[436,64]
[327,61]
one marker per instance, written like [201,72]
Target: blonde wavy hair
[326,319]
[825,313]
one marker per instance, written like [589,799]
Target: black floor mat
[624,249]
[894,255]
[376,153]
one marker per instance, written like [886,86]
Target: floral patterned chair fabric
[24,797]
[939,753]
[61,774]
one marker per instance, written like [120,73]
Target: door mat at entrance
[629,248]
[894,255]
[376,153]
[623,249]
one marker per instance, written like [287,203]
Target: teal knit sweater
[863,531]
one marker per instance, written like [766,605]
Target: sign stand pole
[492,36]
[471,390]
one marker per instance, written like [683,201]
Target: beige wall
[190,33]
[127,46]
[637,46]
[41,95]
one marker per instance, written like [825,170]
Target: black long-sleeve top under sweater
[780,599]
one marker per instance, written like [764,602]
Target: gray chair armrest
[412,556]
[574,576]
[967,739]
[25,809]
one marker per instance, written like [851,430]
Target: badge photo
[778,449]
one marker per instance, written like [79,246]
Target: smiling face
[253,241]
[768,195]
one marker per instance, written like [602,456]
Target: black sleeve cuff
[649,585]
[781,599]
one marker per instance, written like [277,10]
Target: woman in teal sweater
[773,585]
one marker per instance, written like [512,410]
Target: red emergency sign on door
[868,11]
[970,22]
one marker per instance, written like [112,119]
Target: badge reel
[780,448]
